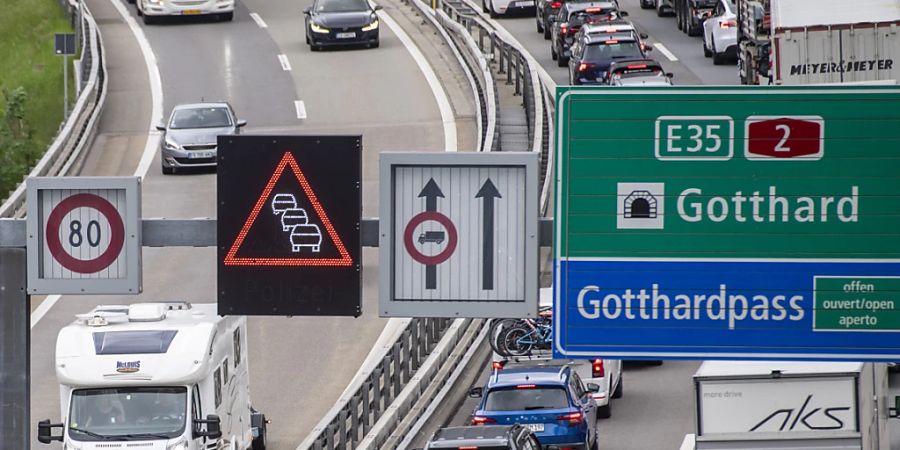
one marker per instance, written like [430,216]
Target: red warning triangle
[231,258]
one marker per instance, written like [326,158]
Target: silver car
[189,137]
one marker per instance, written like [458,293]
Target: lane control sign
[758,223]
[458,235]
[84,235]
[288,225]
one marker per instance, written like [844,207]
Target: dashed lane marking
[285,64]
[301,109]
[258,20]
[662,49]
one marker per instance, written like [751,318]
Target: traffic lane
[655,410]
[523,27]
[688,49]
[379,94]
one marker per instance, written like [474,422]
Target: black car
[341,22]
[592,55]
[545,15]
[569,19]
[510,437]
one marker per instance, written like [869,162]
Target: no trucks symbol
[431,192]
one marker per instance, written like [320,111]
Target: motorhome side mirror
[593,387]
[213,427]
[45,432]
[241,123]
[476,392]
[161,126]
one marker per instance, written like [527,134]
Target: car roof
[605,27]
[529,375]
[647,80]
[579,6]
[498,432]
[201,105]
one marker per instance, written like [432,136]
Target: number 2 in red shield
[784,137]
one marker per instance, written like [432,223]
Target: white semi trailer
[167,376]
[763,405]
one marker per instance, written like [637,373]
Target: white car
[497,8]
[606,373]
[720,33]
[152,10]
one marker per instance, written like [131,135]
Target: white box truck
[763,405]
[798,42]
[167,376]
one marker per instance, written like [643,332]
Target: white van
[173,376]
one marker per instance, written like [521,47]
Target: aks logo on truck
[128,366]
[808,417]
[798,138]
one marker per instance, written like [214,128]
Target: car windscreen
[331,6]
[612,50]
[127,413]
[216,117]
[540,397]
[592,15]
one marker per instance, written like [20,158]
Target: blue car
[550,401]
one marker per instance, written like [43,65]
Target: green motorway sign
[728,222]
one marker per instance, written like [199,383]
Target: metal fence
[65,153]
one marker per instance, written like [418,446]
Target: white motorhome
[173,376]
[767,405]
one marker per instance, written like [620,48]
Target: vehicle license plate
[525,3]
[191,12]
[350,34]
[195,155]
[535,427]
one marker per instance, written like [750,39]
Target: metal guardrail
[65,154]
[370,396]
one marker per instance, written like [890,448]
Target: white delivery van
[768,405]
[835,41]
[167,376]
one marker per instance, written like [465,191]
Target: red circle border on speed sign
[116,238]
[411,247]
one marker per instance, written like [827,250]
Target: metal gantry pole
[15,350]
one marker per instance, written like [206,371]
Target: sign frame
[389,305]
[279,270]
[131,248]
[635,270]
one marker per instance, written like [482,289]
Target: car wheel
[718,58]
[646,5]
[553,54]
[493,14]
[694,30]
[167,170]
[137,8]
[605,411]
[659,11]
[259,443]
[226,17]
[706,51]
[617,393]
[374,44]
[561,60]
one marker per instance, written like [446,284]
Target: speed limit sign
[84,235]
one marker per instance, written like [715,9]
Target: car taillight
[597,370]
[563,28]
[556,5]
[479,420]
[497,365]
[727,24]
[584,66]
[468,448]
[572,418]
[526,386]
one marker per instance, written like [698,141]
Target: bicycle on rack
[519,337]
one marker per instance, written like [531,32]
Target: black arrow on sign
[487,194]
[431,192]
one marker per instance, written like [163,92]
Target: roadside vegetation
[31,91]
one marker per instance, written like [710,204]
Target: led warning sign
[288,225]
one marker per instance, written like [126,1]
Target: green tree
[17,152]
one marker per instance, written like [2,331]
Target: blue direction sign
[757,223]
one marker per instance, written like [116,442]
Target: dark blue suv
[550,401]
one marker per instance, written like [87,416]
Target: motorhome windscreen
[133,342]
[128,413]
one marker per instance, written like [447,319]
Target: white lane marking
[440,96]
[301,109]
[43,308]
[156,101]
[687,443]
[662,49]
[258,20]
[285,64]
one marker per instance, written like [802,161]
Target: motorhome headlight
[181,445]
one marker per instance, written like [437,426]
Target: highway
[299,366]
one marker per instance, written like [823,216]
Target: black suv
[569,19]
[493,437]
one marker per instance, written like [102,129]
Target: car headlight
[317,28]
[371,26]
[171,145]
[178,446]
